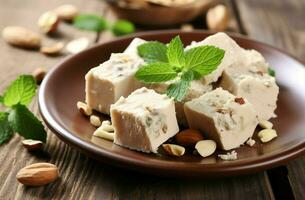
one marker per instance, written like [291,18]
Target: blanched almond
[267,135]
[53,49]
[84,108]
[48,22]
[188,137]
[21,37]
[77,45]
[206,147]
[95,120]
[39,74]
[37,174]
[67,12]
[174,150]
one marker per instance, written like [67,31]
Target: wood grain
[281,24]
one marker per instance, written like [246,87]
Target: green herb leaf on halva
[153,52]
[175,52]
[156,73]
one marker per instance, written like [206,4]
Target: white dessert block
[233,52]
[223,117]
[114,78]
[133,46]
[144,120]
[260,90]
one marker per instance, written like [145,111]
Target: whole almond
[205,148]
[32,145]
[37,174]
[188,137]
[173,149]
[39,74]
[21,37]
[53,49]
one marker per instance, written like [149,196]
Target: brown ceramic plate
[64,86]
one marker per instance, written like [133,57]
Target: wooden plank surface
[82,177]
[281,24]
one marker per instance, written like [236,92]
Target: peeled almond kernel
[67,12]
[77,45]
[53,49]
[267,135]
[206,147]
[48,22]
[95,120]
[265,124]
[174,150]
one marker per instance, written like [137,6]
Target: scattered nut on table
[77,45]
[84,108]
[48,22]
[105,131]
[95,120]
[188,137]
[21,37]
[38,174]
[54,49]
[66,12]
[187,27]
[206,148]
[32,145]
[39,74]
[217,18]
[267,135]
[265,124]
[174,149]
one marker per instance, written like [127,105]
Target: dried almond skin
[38,174]
[32,145]
[67,12]
[21,37]
[188,137]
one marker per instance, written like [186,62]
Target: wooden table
[277,22]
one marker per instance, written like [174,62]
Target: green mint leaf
[20,91]
[175,52]
[24,122]
[6,132]
[122,27]
[271,72]
[1,99]
[156,73]
[153,52]
[204,59]
[90,22]
[179,89]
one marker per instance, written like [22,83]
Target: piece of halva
[223,117]
[233,52]
[195,90]
[133,46]
[114,78]
[144,120]
[259,89]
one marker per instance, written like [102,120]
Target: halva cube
[223,117]
[144,120]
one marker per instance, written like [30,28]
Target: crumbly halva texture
[144,120]
[232,53]
[260,90]
[195,90]
[229,156]
[223,117]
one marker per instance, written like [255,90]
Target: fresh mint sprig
[90,22]
[19,118]
[168,62]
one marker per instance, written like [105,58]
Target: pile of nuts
[48,24]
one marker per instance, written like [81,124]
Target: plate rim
[163,167]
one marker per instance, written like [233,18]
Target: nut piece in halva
[37,174]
